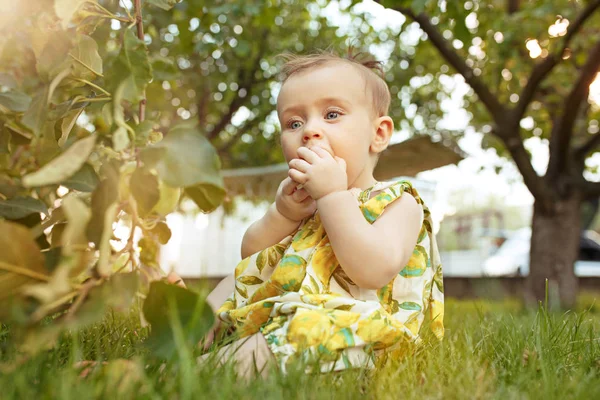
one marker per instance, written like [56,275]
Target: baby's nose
[309,135]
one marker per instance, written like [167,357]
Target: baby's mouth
[327,150]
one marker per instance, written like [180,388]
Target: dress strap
[373,208]
[364,196]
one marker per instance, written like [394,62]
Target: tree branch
[507,129]
[542,69]
[532,180]
[496,109]
[562,130]
[140,34]
[203,104]
[247,82]
[591,189]
[512,6]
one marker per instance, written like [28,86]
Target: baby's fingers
[288,186]
[300,195]
[297,176]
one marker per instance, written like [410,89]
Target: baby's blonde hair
[369,68]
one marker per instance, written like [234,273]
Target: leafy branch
[86,183]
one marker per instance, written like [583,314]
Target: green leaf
[118,293]
[84,180]
[15,101]
[53,57]
[103,197]
[73,235]
[164,4]
[142,132]
[132,68]
[63,166]
[51,258]
[20,260]
[65,9]
[31,221]
[104,267]
[164,68]
[161,232]
[86,52]
[37,113]
[21,206]
[184,158]
[177,317]
[144,188]
[67,125]
[120,139]
[206,196]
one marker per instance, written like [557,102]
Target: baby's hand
[294,204]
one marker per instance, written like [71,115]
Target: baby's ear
[384,128]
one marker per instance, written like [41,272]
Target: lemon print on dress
[269,256]
[417,264]
[374,207]
[385,293]
[436,311]
[324,262]
[309,328]
[411,306]
[241,267]
[422,233]
[255,316]
[378,329]
[412,323]
[268,289]
[290,272]
[438,278]
[309,235]
[319,299]
[343,319]
[427,292]
[341,339]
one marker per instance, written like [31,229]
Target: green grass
[491,350]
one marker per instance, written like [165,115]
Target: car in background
[512,257]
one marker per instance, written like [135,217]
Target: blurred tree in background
[215,63]
[529,66]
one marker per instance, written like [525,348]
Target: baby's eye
[291,124]
[336,113]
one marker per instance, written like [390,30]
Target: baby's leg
[250,354]
[215,299]
[221,292]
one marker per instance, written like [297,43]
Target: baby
[326,274]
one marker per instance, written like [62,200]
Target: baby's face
[328,107]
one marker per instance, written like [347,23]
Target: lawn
[491,350]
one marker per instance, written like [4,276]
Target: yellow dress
[298,296]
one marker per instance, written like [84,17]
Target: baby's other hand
[294,204]
[175,279]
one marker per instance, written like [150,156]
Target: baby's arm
[271,229]
[370,254]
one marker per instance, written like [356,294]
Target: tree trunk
[554,250]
